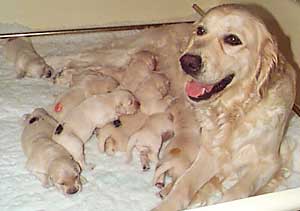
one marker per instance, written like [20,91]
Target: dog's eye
[62,183]
[201,31]
[232,39]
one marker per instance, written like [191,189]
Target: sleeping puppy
[27,61]
[83,86]
[181,151]
[149,86]
[114,137]
[94,112]
[71,76]
[242,90]
[47,160]
[140,67]
[153,94]
[149,138]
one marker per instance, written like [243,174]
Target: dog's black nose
[190,63]
[72,190]
[48,74]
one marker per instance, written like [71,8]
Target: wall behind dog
[57,14]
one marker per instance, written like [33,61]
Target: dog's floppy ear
[268,60]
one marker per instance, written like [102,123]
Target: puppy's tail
[162,169]
[131,144]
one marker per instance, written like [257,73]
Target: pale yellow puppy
[94,112]
[27,61]
[181,151]
[70,76]
[114,137]
[47,160]
[83,86]
[149,138]
[153,94]
[140,67]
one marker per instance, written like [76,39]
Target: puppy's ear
[24,119]
[78,168]
[59,129]
[268,53]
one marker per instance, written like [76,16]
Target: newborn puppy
[47,160]
[26,60]
[179,153]
[94,112]
[114,137]
[71,76]
[148,139]
[153,94]
[82,88]
[140,67]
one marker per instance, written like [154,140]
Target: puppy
[27,61]
[153,94]
[140,67]
[94,112]
[149,138]
[150,87]
[181,151]
[70,76]
[114,136]
[242,91]
[83,87]
[47,160]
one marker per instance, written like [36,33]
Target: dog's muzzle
[191,64]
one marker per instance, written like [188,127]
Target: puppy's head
[145,58]
[64,173]
[35,116]
[39,69]
[125,102]
[64,76]
[229,48]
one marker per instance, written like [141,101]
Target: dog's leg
[257,176]
[144,158]
[166,190]
[110,146]
[190,182]
[160,173]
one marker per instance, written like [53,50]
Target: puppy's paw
[83,180]
[146,167]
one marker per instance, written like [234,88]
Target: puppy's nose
[72,190]
[190,63]
[137,104]
[48,74]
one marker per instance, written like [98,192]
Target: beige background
[57,14]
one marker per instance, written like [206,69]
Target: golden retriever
[242,90]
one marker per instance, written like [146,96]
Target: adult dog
[242,90]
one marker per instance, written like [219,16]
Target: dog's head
[39,69]
[64,76]
[229,48]
[64,173]
[125,101]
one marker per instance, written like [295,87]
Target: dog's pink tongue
[195,89]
